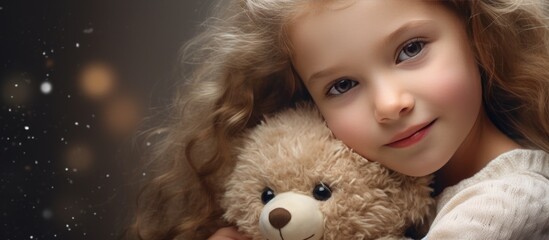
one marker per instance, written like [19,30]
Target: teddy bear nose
[279,217]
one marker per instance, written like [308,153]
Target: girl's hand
[227,233]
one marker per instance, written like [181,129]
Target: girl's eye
[341,86]
[410,50]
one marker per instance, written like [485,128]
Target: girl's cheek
[336,126]
[452,87]
[455,82]
[353,129]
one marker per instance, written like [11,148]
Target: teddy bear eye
[322,192]
[267,195]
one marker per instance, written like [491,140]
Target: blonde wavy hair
[239,70]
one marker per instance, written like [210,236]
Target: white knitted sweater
[507,199]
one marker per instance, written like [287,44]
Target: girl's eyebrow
[414,24]
[321,74]
[404,28]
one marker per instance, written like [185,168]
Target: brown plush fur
[294,151]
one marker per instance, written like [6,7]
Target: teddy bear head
[294,180]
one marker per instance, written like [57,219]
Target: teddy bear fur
[293,151]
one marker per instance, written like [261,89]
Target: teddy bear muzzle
[292,216]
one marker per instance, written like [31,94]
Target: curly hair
[511,45]
[240,70]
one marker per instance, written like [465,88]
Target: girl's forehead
[362,22]
[374,16]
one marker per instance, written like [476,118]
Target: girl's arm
[227,233]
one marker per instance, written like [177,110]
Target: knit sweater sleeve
[512,207]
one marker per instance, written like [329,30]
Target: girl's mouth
[411,138]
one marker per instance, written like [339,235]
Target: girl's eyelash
[332,84]
[402,46]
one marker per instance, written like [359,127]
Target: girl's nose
[392,103]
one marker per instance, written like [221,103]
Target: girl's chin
[420,167]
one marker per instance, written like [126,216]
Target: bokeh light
[97,80]
[50,63]
[121,115]
[16,89]
[76,81]
[79,157]
[46,87]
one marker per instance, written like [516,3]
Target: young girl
[455,88]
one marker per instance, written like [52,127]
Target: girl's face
[395,80]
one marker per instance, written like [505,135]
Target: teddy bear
[293,180]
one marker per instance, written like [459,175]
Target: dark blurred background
[77,78]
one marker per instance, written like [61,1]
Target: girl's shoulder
[502,201]
[520,160]
[514,167]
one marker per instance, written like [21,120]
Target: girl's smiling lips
[411,135]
